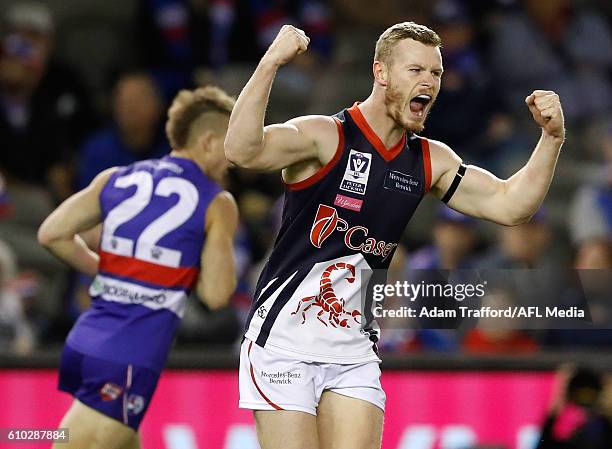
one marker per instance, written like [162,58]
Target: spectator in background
[399,334]
[300,84]
[577,417]
[135,134]
[594,254]
[192,41]
[177,38]
[16,332]
[591,210]
[312,16]
[454,243]
[482,130]
[44,113]
[498,334]
[522,246]
[5,202]
[551,45]
[594,259]
[44,108]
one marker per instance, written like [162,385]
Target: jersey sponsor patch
[110,391]
[356,238]
[357,172]
[289,377]
[348,203]
[126,292]
[325,222]
[401,182]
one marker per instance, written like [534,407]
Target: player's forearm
[245,135]
[526,189]
[74,252]
[218,278]
[216,293]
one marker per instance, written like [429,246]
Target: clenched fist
[546,110]
[289,42]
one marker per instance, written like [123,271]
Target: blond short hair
[191,105]
[401,31]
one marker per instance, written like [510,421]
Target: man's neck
[374,111]
[192,156]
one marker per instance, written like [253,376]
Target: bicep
[478,189]
[477,193]
[292,142]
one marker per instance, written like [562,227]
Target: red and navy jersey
[150,250]
[337,226]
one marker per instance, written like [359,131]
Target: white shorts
[271,381]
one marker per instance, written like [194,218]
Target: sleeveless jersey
[337,226]
[152,237]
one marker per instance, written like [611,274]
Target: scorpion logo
[327,301]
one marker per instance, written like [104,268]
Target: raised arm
[248,143]
[79,213]
[514,200]
[217,279]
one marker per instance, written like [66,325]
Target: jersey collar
[362,124]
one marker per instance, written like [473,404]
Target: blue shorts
[122,392]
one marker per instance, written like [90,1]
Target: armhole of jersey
[311,180]
[217,192]
[102,190]
[426,163]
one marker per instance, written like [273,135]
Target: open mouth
[419,103]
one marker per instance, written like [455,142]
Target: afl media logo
[357,172]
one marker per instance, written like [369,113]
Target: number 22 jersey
[153,217]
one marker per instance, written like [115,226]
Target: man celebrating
[309,365]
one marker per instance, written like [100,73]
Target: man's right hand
[289,42]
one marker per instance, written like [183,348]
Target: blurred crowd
[580,410]
[85,85]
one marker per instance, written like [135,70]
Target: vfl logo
[357,172]
[355,238]
[359,164]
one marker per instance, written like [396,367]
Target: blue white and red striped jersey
[153,216]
